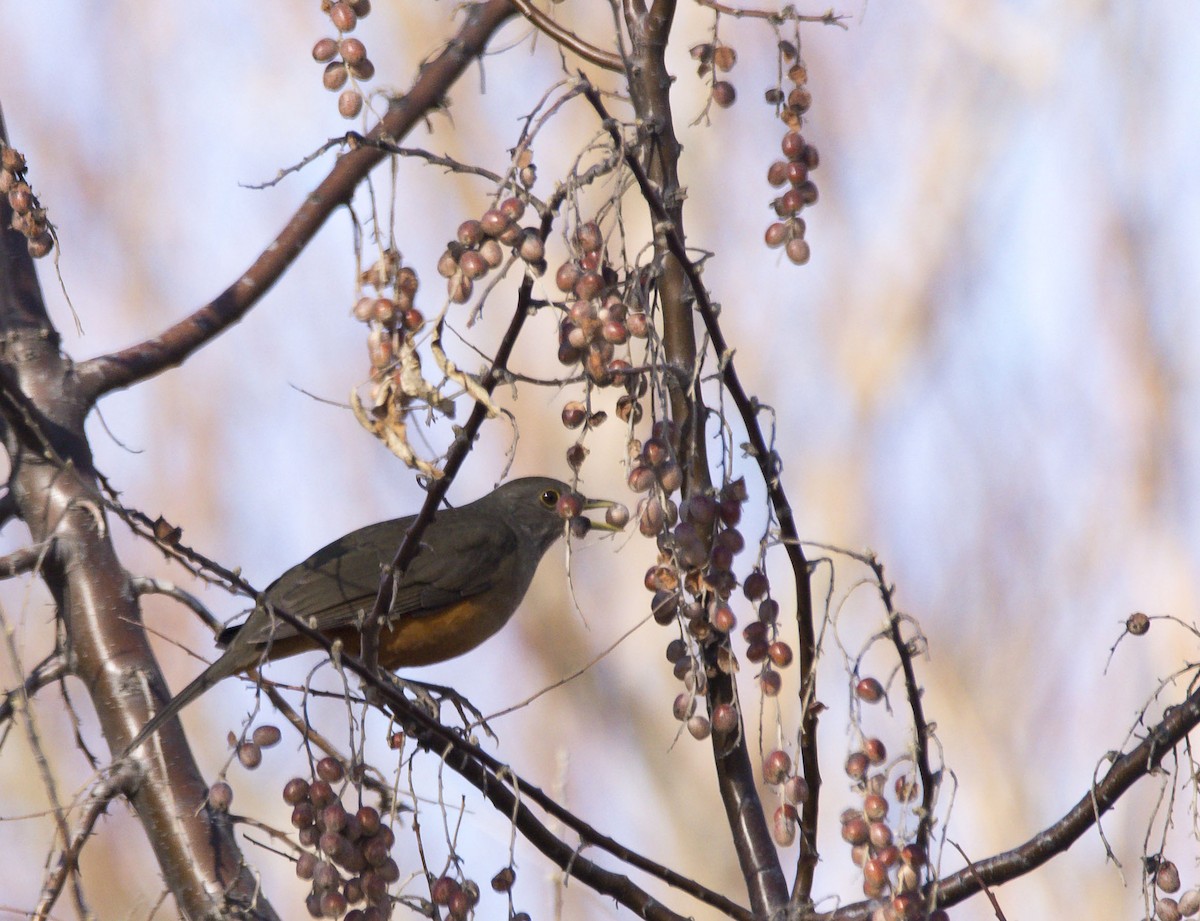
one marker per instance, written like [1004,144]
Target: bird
[472,569]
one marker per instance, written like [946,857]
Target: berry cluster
[892,868]
[478,248]
[337,841]
[693,580]
[29,217]
[390,313]
[1166,879]
[345,59]
[715,57]
[249,751]
[249,755]
[802,192]
[656,472]
[802,159]
[598,320]
[777,772]
[459,899]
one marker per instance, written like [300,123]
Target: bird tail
[230,663]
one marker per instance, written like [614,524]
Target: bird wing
[341,580]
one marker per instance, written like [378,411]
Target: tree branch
[170,348]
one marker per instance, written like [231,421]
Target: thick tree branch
[53,484]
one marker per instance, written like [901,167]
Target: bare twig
[913,691]
[22,707]
[305,728]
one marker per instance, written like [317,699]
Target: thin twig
[913,691]
[39,757]
[582,670]
[569,39]
[776,17]
[305,728]
[46,672]
[121,781]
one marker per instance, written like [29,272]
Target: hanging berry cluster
[391,315]
[1168,906]
[693,582]
[345,59]
[880,830]
[478,248]
[347,855]
[28,216]
[801,159]
[598,320]
[793,790]
[715,58]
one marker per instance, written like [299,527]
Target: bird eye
[550,498]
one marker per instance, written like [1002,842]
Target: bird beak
[614,522]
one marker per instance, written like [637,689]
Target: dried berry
[325,49]
[472,264]
[350,103]
[250,755]
[783,827]
[617,516]
[343,17]
[797,251]
[856,765]
[266,736]
[295,791]
[777,766]
[875,751]
[875,807]
[795,789]
[770,683]
[1137,624]
[330,770]
[780,653]
[792,145]
[869,690]
[855,830]
[1167,876]
[725,718]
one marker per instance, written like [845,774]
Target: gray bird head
[530,505]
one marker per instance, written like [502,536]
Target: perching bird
[473,568]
